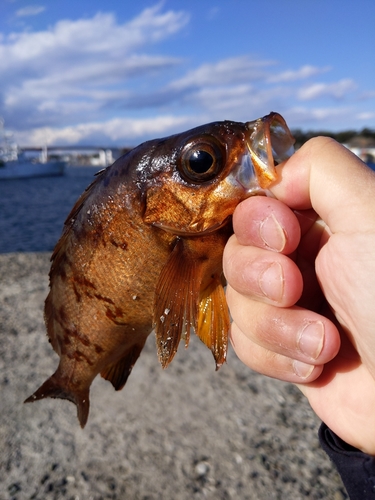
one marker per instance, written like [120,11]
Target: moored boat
[16,165]
[23,168]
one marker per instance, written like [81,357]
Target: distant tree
[343,136]
[368,132]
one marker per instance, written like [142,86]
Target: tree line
[345,136]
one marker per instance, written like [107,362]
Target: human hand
[301,285]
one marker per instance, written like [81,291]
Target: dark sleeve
[357,470]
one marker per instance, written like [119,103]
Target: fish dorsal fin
[214,322]
[176,302]
[117,373]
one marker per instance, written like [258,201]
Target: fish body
[142,249]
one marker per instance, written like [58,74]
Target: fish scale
[142,248]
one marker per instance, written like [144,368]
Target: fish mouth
[269,142]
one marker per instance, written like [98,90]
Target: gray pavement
[187,432]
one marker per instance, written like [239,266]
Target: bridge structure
[79,155]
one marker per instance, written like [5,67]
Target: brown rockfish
[142,249]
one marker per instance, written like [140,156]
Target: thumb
[326,176]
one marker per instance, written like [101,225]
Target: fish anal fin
[214,322]
[117,373]
[176,302]
[56,387]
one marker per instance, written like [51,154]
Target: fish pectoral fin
[176,302]
[55,387]
[214,322]
[117,373]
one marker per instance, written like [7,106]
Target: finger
[270,363]
[324,175]
[261,274]
[295,333]
[266,223]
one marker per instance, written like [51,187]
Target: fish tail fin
[54,388]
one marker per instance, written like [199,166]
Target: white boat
[25,167]
[16,165]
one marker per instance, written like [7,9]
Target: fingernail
[311,339]
[272,234]
[271,282]
[303,370]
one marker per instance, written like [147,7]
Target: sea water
[33,211]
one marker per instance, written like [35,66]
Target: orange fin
[214,322]
[54,388]
[176,302]
[118,373]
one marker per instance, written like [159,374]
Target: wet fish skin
[102,285]
[141,247]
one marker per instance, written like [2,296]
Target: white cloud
[31,10]
[366,115]
[82,65]
[302,73]
[96,80]
[99,38]
[111,131]
[337,90]
[226,71]
[364,96]
[321,118]
[237,102]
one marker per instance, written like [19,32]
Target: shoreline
[184,432]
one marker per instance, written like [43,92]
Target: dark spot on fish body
[80,356]
[81,337]
[84,339]
[61,315]
[117,244]
[110,314]
[119,312]
[103,299]
[98,349]
[82,280]
[98,233]
[76,293]
[62,274]
[60,262]
[114,315]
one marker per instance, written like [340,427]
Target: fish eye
[201,160]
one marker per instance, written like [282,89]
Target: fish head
[195,180]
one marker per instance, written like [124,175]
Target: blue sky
[118,72]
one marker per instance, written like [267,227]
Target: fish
[142,248]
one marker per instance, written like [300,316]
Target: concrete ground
[184,433]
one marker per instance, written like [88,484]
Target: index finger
[326,176]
